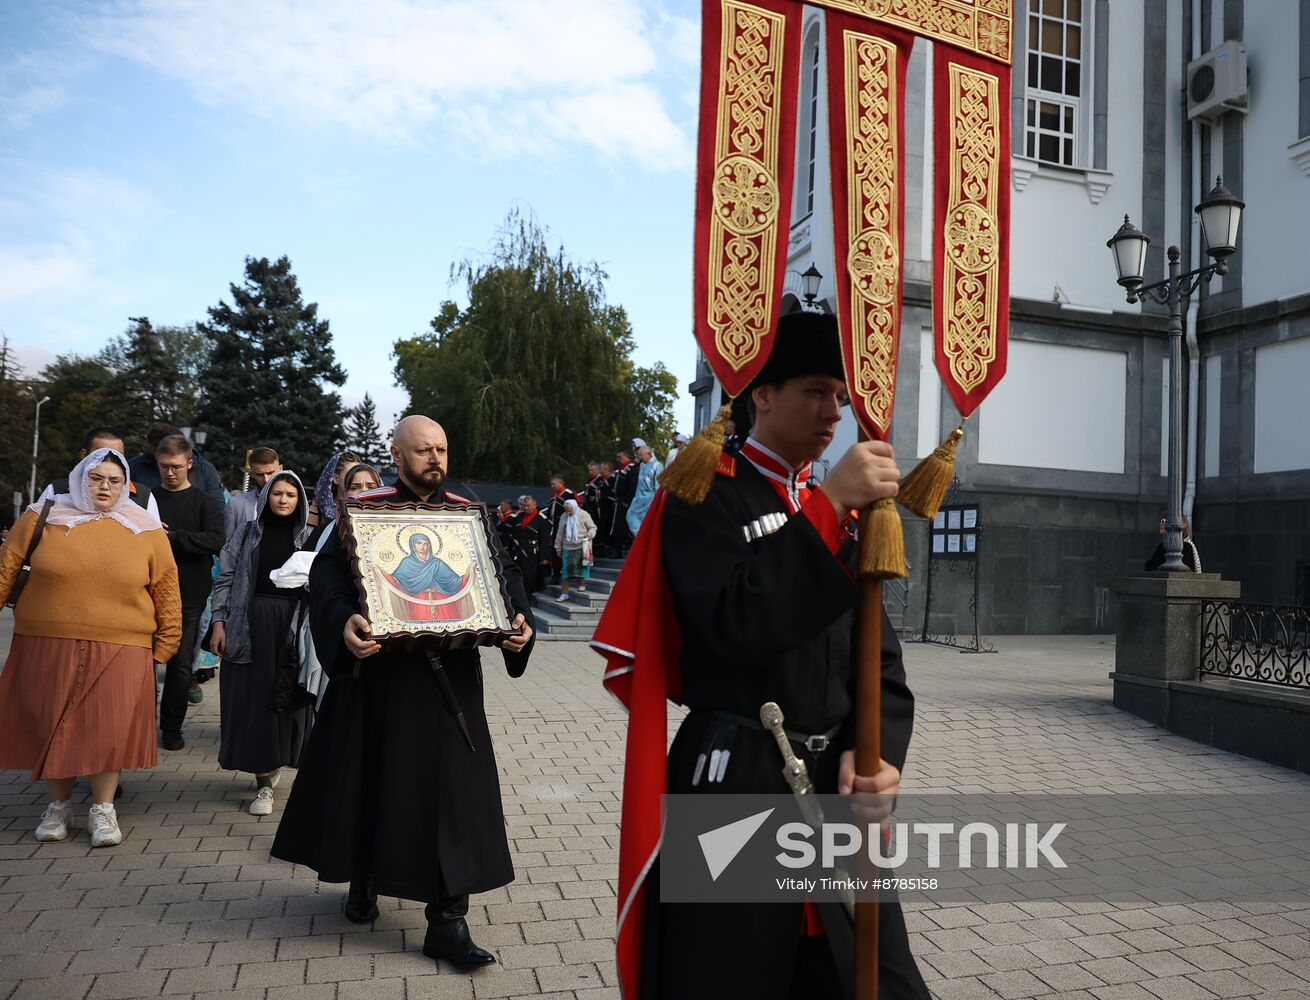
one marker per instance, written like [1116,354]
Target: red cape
[639,638]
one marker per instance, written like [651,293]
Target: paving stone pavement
[191,905]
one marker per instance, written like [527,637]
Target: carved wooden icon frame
[425,573]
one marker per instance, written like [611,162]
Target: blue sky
[147,147]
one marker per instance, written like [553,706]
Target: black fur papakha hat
[807,343]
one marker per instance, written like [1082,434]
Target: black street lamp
[810,279]
[1221,214]
[195,435]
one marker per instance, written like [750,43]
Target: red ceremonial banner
[750,75]
[971,223]
[866,120]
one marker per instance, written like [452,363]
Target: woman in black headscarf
[251,630]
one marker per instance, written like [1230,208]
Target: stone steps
[563,621]
[576,618]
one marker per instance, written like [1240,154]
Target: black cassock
[533,542]
[554,510]
[767,620]
[388,783]
[605,503]
[625,488]
[505,529]
[590,498]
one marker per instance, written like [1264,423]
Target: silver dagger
[798,779]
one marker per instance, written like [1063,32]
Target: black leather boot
[362,901]
[448,935]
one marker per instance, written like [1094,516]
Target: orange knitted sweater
[97,581]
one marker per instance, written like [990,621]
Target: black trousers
[708,951]
[445,910]
[177,675]
[441,911]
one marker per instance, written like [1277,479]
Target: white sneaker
[273,778]
[54,822]
[102,821]
[263,804]
[562,598]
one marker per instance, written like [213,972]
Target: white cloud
[32,86]
[17,109]
[59,228]
[32,270]
[31,358]
[511,74]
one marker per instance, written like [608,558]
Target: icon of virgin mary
[423,586]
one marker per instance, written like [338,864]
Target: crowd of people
[184,568]
[202,574]
[397,791]
[559,543]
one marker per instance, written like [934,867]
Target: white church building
[1119,107]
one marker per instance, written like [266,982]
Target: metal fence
[1256,642]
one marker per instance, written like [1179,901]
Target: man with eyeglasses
[194,522]
[146,475]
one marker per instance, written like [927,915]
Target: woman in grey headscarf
[252,625]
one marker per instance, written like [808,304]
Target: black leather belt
[813,742]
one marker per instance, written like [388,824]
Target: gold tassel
[692,475]
[882,542]
[924,489]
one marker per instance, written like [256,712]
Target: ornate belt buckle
[816,744]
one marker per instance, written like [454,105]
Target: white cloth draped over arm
[294,572]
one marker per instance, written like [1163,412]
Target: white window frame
[1034,96]
[807,145]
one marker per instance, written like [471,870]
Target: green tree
[364,435]
[82,395]
[266,381]
[16,408]
[653,393]
[157,373]
[535,376]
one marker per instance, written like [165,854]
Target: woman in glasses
[99,607]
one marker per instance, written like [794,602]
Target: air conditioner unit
[1216,82]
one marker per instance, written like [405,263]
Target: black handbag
[17,591]
[286,694]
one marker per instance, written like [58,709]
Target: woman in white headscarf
[573,544]
[99,607]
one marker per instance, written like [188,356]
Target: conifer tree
[271,364]
[157,374]
[364,435]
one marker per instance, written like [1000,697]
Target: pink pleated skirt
[72,707]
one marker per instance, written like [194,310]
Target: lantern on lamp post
[1221,215]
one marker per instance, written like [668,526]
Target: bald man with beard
[390,797]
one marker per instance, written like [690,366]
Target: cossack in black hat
[807,343]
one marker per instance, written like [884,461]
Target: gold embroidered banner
[981,26]
[866,87]
[971,222]
[746,163]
